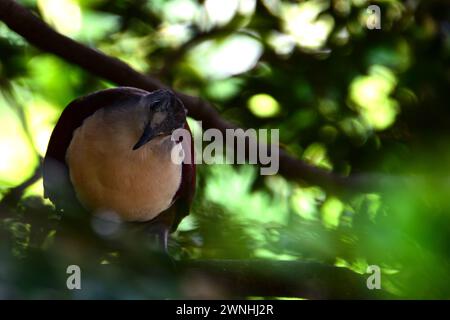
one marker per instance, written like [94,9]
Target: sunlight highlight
[303,23]
[232,189]
[263,105]
[221,59]
[17,158]
[371,95]
[331,212]
[221,12]
[304,202]
[316,154]
[64,15]
[41,117]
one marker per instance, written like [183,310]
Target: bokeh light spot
[64,15]
[263,105]
[221,59]
[302,21]
[331,212]
[371,95]
[17,157]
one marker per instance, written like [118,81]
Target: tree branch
[13,195]
[267,278]
[23,22]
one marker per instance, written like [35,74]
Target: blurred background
[346,99]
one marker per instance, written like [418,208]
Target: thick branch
[243,278]
[42,36]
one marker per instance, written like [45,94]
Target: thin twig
[14,194]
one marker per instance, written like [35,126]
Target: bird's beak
[149,134]
[167,114]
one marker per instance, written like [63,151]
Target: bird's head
[164,113]
[112,150]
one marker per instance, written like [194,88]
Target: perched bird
[111,151]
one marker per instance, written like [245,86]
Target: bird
[110,151]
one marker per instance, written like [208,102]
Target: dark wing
[185,194]
[57,185]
